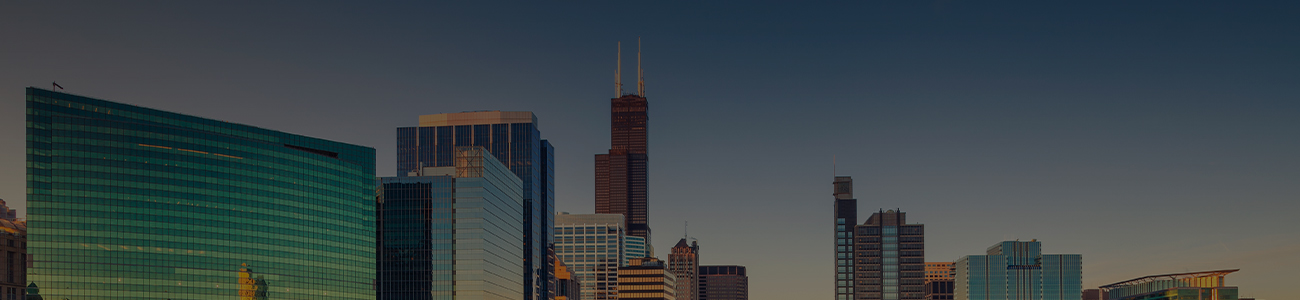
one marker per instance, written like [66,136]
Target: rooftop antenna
[685,230]
[640,76]
[834,170]
[618,73]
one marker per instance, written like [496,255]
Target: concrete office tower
[846,217]
[593,246]
[514,139]
[723,283]
[452,232]
[13,259]
[127,202]
[1015,270]
[646,278]
[684,262]
[890,262]
[1205,285]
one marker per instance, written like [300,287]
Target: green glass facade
[127,202]
[1014,270]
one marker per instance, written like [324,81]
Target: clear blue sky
[1151,137]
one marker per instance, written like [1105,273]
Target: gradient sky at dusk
[1151,137]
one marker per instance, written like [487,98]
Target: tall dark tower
[622,174]
[846,217]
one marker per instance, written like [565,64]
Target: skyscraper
[623,173]
[127,202]
[514,139]
[646,278]
[452,232]
[846,217]
[890,258]
[684,263]
[1015,270]
[723,283]
[593,246]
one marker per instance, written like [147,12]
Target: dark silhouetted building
[567,286]
[646,278]
[846,217]
[514,139]
[684,263]
[890,258]
[723,283]
[127,202]
[622,174]
[938,289]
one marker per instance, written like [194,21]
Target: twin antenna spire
[618,73]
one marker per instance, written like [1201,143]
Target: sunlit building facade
[593,246]
[13,258]
[127,202]
[1205,285]
[514,139]
[1015,270]
[723,283]
[646,278]
[452,232]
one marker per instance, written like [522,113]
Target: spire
[618,73]
[640,77]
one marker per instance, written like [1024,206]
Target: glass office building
[452,232]
[846,217]
[1015,270]
[513,138]
[634,247]
[594,246]
[127,202]
[723,283]
[889,258]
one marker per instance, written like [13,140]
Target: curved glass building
[127,202]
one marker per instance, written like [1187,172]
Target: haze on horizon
[1151,137]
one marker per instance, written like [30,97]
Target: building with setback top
[889,259]
[1015,270]
[127,202]
[846,217]
[514,139]
[684,262]
[646,278]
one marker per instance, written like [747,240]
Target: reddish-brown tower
[623,173]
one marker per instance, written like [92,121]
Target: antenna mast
[618,73]
[640,76]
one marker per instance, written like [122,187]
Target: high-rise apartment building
[13,259]
[452,232]
[593,246]
[1015,270]
[127,202]
[723,283]
[1205,285]
[514,139]
[622,174]
[646,278]
[846,217]
[684,263]
[890,258]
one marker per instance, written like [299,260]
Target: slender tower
[846,216]
[622,173]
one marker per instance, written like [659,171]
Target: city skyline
[1081,120]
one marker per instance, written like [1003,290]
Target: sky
[1151,137]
